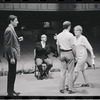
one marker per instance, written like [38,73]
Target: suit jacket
[42,52]
[11,44]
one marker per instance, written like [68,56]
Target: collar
[79,36]
[65,30]
[11,26]
[43,42]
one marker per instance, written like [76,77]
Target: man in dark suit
[11,53]
[42,51]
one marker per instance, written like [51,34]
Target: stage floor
[28,85]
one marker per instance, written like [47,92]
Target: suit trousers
[67,61]
[11,76]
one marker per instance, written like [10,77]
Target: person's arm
[38,47]
[48,49]
[73,45]
[58,46]
[74,50]
[34,54]
[89,47]
[58,50]
[20,38]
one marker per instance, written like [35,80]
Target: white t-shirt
[65,40]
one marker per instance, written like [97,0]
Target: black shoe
[85,85]
[71,91]
[40,78]
[16,93]
[55,56]
[89,66]
[10,94]
[67,88]
[61,91]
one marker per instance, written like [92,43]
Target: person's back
[65,39]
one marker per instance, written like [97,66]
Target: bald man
[65,41]
[42,51]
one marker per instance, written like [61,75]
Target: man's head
[43,38]
[67,25]
[13,20]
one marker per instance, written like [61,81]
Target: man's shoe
[85,85]
[10,94]
[16,93]
[71,91]
[40,78]
[61,91]
[67,88]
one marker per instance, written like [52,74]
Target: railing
[49,6]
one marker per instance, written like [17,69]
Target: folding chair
[36,72]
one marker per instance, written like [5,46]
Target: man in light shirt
[65,41]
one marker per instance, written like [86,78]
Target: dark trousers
[47,61]
[11,76]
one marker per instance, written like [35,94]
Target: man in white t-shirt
[65,41]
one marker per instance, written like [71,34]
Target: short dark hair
[11,18]
[66,24]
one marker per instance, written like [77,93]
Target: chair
[36,72]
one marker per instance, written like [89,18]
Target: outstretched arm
[89,47]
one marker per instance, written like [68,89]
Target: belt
[65,50]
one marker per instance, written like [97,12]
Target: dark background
[32,20]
